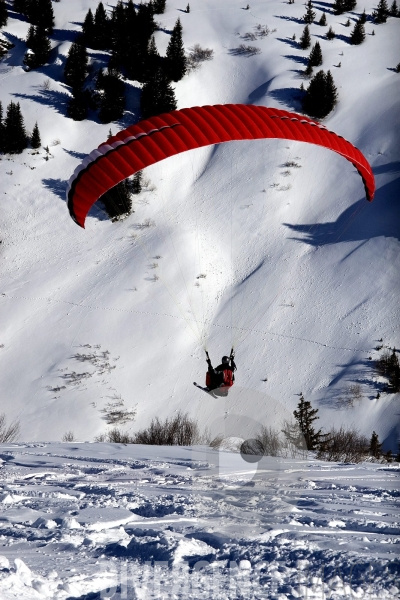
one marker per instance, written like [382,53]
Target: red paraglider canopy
[154,139]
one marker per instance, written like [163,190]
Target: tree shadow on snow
[291,42]
[57,186]
[12,14]
[15,55]
[64,35]
[79,155]
[260,92]
[57,100]
[296,58]
[357,371]
[324,6]
[292,19]
[361,221]
[290,97]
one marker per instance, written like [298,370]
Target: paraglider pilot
[221,376]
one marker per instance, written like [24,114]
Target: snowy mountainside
[301,272]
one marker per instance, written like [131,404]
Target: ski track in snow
[167,522]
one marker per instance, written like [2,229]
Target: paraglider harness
[223,375]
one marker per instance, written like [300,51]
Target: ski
[210,392]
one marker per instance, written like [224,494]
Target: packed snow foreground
[100,520]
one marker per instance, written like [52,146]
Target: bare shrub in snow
[147,223]
[216,442]
[262,30]
[345,444]
[294,443]
[116,412]
[180,430]
[270,440]
[249,36]
[8,433]
[117,436]
[244,50]
[351,395]
[197,55]
[291,164]
[68,436]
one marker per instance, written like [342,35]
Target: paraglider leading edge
[160,137]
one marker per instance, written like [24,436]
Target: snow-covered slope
[86,521]
[301,272]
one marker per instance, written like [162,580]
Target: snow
[301,275]
[101,514]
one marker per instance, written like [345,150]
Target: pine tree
[363,17]
[40,13]
[112,97]
[15,138]
[375,447]
[349,4]
[309,71]
[188,8]
[20,6]
[322,20]
[88,29]
[357,36]
[394,372]
[46,18]
[305,415]
[175,56]
[117,201]
[305,39]
[152,60]
[338,7]
[330,34]
[77,107]
[321,95]
[3,13]
[394,11]
[36,142]
[397,68]
[331,94]
[101,30]
[136,183]
[381,14]
[76,64]
[1,129]
[310,13]
[397,459]
[157,95]
[315,58]
[159,6]
[138,41]
[39,44]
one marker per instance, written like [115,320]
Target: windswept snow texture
[268,245]
[91,521]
